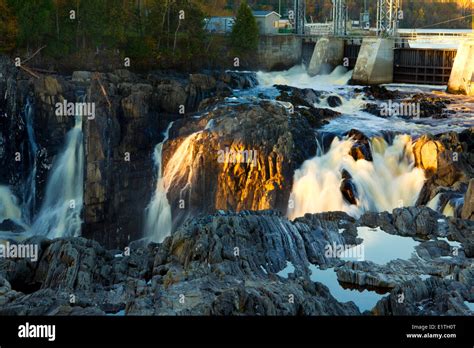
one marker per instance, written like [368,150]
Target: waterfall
[9,208]
[158,218]
[391,180]
[29,191]
[158,212]
[60,213]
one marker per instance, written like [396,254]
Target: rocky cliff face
[238,263]
[235,157]
[448,162]
[131,112]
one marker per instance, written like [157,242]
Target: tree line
[172,31]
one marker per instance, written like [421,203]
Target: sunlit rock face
[449,164]
[236,157]
[426,153]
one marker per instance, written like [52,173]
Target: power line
[451,20]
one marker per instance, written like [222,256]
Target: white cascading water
[29,192]
[390,181]
[298,77]
[9,208]
[158,218]
[60,213]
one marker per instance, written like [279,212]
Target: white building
[267,21]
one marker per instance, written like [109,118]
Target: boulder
[348,188]
[361,146]
[334,101]
[426,151]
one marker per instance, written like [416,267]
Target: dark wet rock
[373,109]
[334,101]
[276,141]
[231,264]
[304,101]
[366,274]
[429,106]
[225,264]
[361,146]
[318,117]
[10,225]
[348,188]
[427,297]
[421,222]
[379,92]
[299,97]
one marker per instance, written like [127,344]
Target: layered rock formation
[449,165]
[238,263]
[131,112]
[235,157]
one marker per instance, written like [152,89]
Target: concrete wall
[375,62]
[328,53]
[279,52]
[461,80]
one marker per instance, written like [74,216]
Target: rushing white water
[391,180]
[354,103]
[9,208]
[298,77]
[158,219]
[60,213]
[29,192]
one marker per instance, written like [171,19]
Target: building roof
[221,17]
[264,13]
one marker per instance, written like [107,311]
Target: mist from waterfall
[158,217]
[60,213]
[391,180]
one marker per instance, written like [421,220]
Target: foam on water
[389,181]
[298,77]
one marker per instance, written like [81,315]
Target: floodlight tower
[388,15]
[300,16]
[339,14]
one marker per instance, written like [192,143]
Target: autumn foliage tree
[8,28]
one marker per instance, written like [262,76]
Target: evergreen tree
[244,36]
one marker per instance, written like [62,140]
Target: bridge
[386,53]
